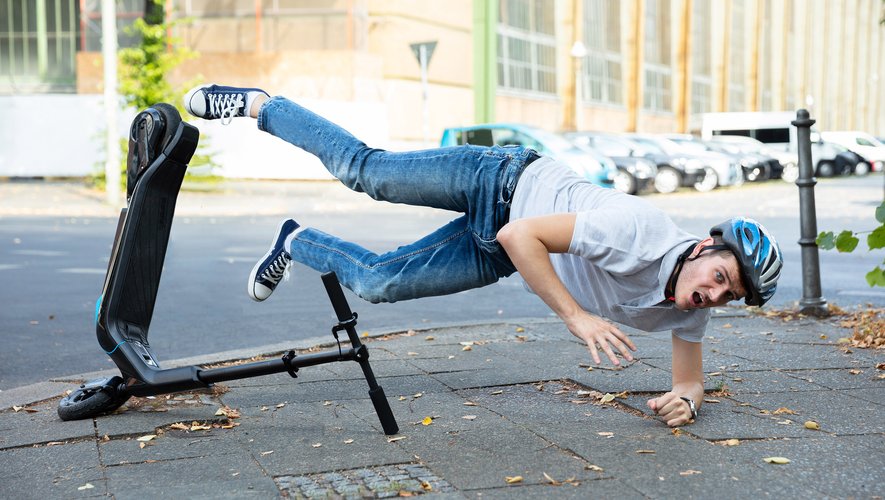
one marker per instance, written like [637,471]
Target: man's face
[711,280]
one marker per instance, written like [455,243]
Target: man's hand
[671,408]
[600,334]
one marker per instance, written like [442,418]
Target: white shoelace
[278,269]
[225,106]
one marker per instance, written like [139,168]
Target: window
[38,43]
[657,92]
[601,70]
[526,46]
[702,66]
[736,58]
[765,60]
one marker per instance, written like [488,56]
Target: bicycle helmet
[758,256]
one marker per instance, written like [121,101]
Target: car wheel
[624,182]
[826,169]
[862,168]
[790,173]
[667,180]
[708,182]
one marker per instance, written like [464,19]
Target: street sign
[428,51]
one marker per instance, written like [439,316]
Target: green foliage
[847,241]
[143,82]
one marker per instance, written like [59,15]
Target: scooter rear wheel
[92,399]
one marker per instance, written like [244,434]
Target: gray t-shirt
[621,254]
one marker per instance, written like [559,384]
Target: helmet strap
[670,289]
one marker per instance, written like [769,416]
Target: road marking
[40,253]
[83,270]
[863,293]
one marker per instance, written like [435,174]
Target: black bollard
[812,303]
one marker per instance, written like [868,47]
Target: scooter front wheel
[93,398]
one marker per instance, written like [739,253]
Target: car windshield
[552,141]
[649,145]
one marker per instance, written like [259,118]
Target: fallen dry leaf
[711,401]
[468,343]
[426,486]
[427,421]
[393,439]
[403,398]
[521,338]
[689,472]
[812,425]
[265,453]
[469,403]
[348,441]
[608,398]
[317,445]
[467,348]
[513,479]
[880,366]
[145,439]
[550,480]
[777,460]
[783,410]
[606,434]
[181,426]
[87,486]
[495,393]
[469,417]
[142,445]
[196,426]
[855,372]
[17,408]
[281,405]
[645,451]
[594,468]
[327,403]
[412,353]
[417,394]
[519,329]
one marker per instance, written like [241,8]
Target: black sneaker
[216,101]
[268,272]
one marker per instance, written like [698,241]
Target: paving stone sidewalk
[482,405]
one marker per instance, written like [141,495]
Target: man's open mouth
[696,299]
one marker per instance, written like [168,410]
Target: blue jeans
[476,181]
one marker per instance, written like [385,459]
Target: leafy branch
[846,242]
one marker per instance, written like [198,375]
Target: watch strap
[691,406]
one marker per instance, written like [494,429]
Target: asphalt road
[52,269]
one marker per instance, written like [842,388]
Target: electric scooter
[160,147]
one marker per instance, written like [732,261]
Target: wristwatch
[691,406]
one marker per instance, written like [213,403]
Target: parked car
[545,143]
[719,169]
[754,167]
[635,173]
[789,161]
[831,159]
[867,146]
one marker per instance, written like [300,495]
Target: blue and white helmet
[758,256]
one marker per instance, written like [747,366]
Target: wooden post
[683,68]
[633,55]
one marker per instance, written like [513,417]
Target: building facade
[614,65]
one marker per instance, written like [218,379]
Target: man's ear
[700,246]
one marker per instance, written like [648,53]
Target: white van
[861,143]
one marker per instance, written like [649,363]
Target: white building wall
[64,136]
